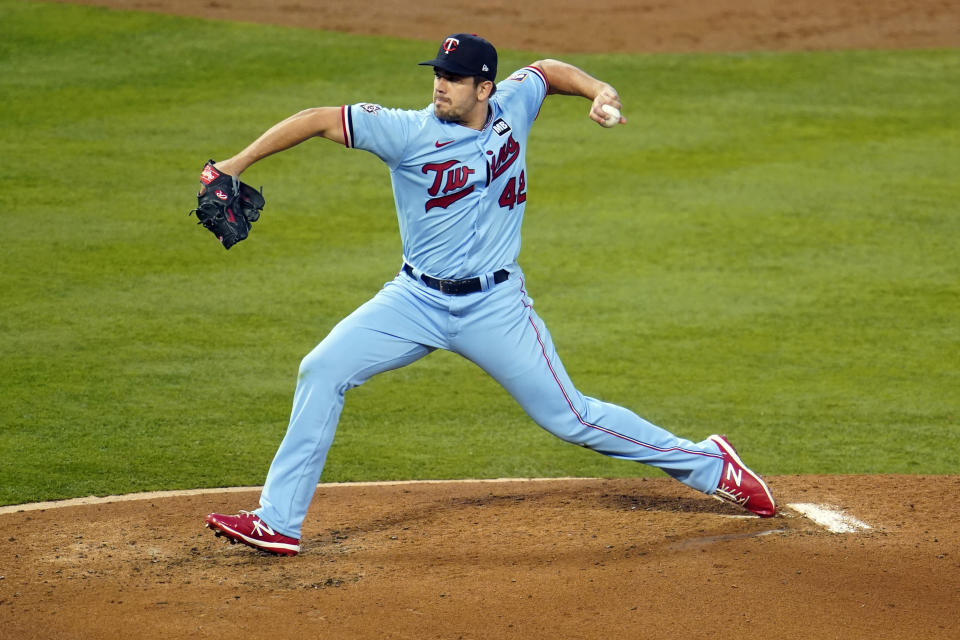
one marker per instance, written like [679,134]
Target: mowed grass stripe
[765,250]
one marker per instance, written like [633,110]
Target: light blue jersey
[460,193]
[460,197]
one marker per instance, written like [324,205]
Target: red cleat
[249,529]
[740,485]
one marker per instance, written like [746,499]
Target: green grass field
[768,249]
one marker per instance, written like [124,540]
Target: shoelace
[731,495]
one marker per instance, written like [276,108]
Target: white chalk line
[153,495]
[832,519]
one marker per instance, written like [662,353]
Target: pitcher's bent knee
[318,369]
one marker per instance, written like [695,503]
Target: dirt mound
[538,559]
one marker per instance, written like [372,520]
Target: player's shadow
[417,515]
[669,504]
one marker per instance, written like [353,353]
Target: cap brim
[447,65]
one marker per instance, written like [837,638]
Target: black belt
[456,287]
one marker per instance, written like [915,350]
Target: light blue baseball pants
[499,331]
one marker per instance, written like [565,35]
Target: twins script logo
[450,177]
[503,159]
[448,180]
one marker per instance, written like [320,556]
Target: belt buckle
[448,287]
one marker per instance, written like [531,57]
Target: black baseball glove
[227,206]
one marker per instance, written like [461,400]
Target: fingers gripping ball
[613,116]
[225,206]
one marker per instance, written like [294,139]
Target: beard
[447,112]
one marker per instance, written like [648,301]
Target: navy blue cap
[466,54]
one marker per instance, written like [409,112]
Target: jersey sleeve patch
[524,91]
[538,73]
[372,109]
[379,130]
[528,72]
[363,109]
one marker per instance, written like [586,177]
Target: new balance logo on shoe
[739,485]
[247,528]
[261,528]
[734,474]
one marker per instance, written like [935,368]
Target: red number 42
[515,192]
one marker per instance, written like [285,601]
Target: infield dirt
[611,559]
[585,559]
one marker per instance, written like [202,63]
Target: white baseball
[613,115]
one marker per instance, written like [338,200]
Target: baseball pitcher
[460,184]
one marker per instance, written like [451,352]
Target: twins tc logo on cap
[466,54]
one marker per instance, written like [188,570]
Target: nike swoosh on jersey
[439,144]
